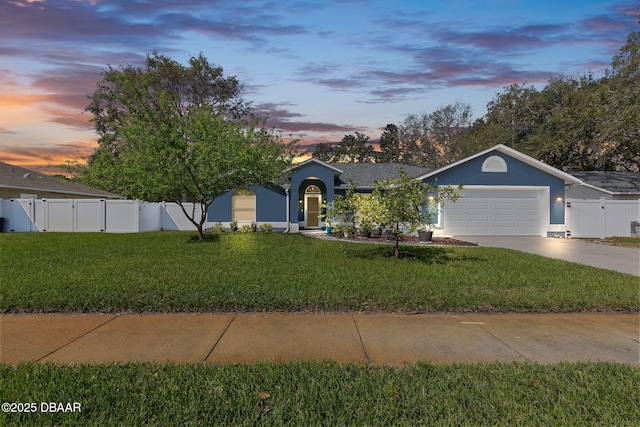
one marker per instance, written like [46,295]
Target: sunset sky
[319,68]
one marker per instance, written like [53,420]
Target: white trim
[568,179]
[584,184]
[314,160]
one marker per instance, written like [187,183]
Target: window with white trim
[494,164]
[243,205]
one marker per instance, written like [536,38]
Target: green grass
[157,272]
[325,393]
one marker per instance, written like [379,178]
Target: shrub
[234,225]
[266,228]
[219,228]
[246,228]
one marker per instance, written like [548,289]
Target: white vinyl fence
[602,218]
[93,215]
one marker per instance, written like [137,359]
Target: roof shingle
[24,179]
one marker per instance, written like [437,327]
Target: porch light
[559,199]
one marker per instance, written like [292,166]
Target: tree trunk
[397,230]
[203,216]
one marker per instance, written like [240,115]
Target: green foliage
[218,228]
[343,208]
[405,204]
[247,228]
[174,133]
[266,227]
[233,225]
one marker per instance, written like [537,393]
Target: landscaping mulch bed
[407,238]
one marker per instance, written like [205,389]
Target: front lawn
[168,271]
[324,393]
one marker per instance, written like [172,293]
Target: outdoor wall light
[558,199]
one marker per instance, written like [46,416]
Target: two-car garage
[498,212]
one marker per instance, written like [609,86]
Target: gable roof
[19,178]
[568,179]
[336,170]
[364,175]
[611,182]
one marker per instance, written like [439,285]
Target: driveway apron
[624,260]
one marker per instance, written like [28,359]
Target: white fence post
[603,217]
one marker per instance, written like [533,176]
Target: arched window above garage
[494,164]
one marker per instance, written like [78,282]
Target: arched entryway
[312,206]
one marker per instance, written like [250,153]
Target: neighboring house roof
[611,182]
[568,179]
[364,175]
[26,180]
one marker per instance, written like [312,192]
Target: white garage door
[496,213]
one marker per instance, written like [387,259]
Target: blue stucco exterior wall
[518,174]
[220,209]
[270,206]
[304,175]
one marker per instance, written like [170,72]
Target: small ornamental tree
[177,133]
[343,209]
[404,203]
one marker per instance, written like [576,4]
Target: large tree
[179,134]
[572,123]
[390,150]
[126,90]
[435,139]
[352,149]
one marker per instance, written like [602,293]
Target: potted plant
[425,232]
[366,226]
[349,230]
[376,231]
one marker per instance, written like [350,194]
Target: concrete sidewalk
[393,339]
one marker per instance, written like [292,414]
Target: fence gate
[585,218]
[89,215]
[601,218]
[21,215]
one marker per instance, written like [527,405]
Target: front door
[313,211]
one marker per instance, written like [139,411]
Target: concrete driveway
[625,260]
